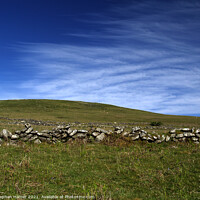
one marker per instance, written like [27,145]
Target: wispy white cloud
[145,86]
[149,64]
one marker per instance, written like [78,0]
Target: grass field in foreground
[74,111]
[139,171]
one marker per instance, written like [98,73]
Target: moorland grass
[75,111]
[114,170]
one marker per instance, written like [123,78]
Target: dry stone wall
[66,134]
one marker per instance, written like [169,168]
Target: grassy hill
[76,111]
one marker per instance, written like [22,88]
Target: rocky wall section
[66,134]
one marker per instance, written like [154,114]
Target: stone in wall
[118,130]
[5,134]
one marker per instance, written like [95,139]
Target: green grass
[116,169]
[121,171]
[74,111]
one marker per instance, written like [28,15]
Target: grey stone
[193,130]
[100,137]
[42,139]
[25,139]
[80,135]
[24,130]
[197,131]
[125,134]
[155,138]
[110,132]
[101,130]
[135,129]
[167,139]
[73,133]
[179,136]
[162,138]
[27,125]
[191,134]
[149,139]
[54,139]
[69,131]
[135,137]
[29,130]
[17,132]
[172,131]
[43,134]
[33,138]
[188,134]
[158,141]
[34,132]
[37,141]
[5,134]
[182,139]
[143,131]
[149,135]
[95,134]
[45,131]
[14,137]
[67,127]
[82,131]
[173,135]
[144,138]
[194,139]
[64,131]
[60,127]
[22,135]
[117,128]
[119,131]
[142,134]
[57,135]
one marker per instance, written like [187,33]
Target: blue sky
[136,54]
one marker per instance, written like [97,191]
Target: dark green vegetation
[156,123]
[121,171]
[72,111]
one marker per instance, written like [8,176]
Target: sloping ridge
[77,111]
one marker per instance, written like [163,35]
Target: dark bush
[156,123]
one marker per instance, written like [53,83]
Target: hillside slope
[75,111]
